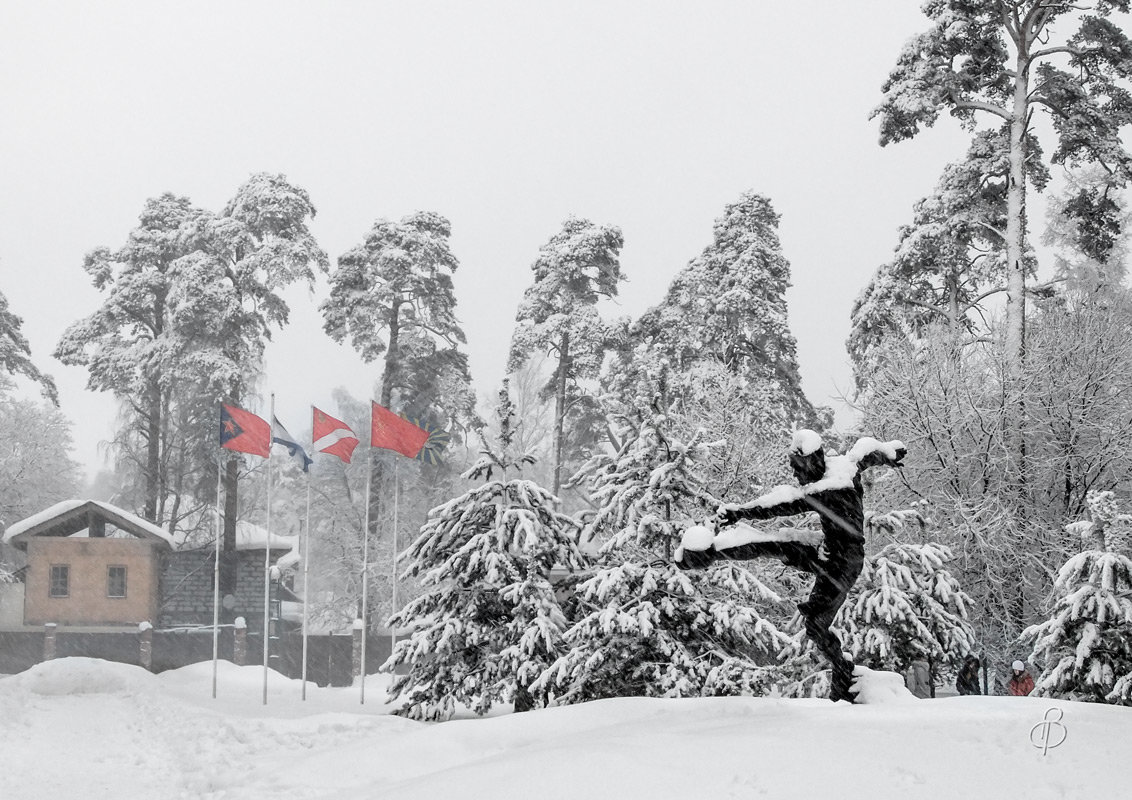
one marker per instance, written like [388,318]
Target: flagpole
[306,567]
[216,578]
[393,599]
[365,570]
[267,560]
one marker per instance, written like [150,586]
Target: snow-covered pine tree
[488,622]
[1065,232]
[1006,63]
[393,298]
[15,353]
[189,303]
[643,627]
[1086,644]
[948,261]
[36,468]
[259,244]
[128,343]
[558,314]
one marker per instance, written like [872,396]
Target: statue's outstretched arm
[868,452]
[783,501]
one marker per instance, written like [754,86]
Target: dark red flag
[244,432]
[392,432]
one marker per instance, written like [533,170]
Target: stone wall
[187,594]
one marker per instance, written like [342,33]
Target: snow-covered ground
[78,727]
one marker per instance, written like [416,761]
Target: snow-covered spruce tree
[558,314]
[488,622]
[907,605]
[729,306]
[1086,644]
[643,627]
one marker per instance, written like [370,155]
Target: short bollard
[145,645]
[49,641]
[240,645]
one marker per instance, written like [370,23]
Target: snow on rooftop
[65,506]
[254,537]
[27,523]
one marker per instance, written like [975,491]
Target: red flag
[332,436]
[391,432]
[244,432]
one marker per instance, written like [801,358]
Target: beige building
[90,564]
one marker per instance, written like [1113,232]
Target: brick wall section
[186,589]
[88,560]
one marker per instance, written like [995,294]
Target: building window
[116,582]
[60,580]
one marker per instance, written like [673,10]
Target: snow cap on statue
[1018,665]
[805,442]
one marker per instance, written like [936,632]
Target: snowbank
[84,728]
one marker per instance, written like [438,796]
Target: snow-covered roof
[68,517]
[254,537]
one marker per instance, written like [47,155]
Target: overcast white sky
[503,116]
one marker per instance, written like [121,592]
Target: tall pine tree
[558,315]
[1004,62]
[15,353]
[392,297]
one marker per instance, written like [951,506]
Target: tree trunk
[1015,341]
[388,378]
[154,417]
[560,408]
[1015,346]
[152,453]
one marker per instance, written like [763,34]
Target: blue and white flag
[279,435]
